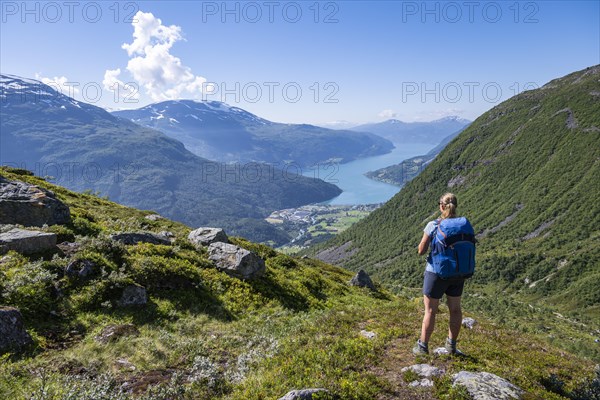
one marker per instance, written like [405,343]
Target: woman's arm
[424,245]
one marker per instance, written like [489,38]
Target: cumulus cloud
[127,92]
[387,114]
[162,75]
[60,84]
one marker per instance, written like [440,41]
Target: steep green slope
[527,174]
[206,335]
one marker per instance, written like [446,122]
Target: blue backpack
[453,248]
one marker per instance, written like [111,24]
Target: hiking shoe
[451,347]
[420,348]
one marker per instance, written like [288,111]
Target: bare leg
[455,316]
[431,307]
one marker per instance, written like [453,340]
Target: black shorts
[435,287]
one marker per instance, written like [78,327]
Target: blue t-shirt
[429,228]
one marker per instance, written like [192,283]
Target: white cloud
[152,66]
[128,92]
[387,114]
[60,84]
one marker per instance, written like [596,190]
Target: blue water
[357,188]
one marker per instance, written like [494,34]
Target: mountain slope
[85,148]
[399,174]
[526,173]
[218,131]
[203,334]
[399,132]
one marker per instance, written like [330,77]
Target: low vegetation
[206,335]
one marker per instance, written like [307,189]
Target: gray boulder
[421,383]
[204,236]
[424,370]
[486,386]
[131,238]
[236,261]
[154,217]
[368,334]
[82,269]
[133,295]
[13,335]
[304,394]
[26,242]
[69,248]
[29,205]
[362,279]
[441,351]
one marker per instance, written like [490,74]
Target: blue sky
[312,62]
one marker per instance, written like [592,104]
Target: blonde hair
[449,203]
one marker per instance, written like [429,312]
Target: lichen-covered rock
[368,334]
[236,261]
[424,370]
[132,238]
[204,236]
[13,335]
[81,269]
[441,351]
[26,242]
[133,295]
[303,394]
[469,322]
[362,279]
[29,205]
[486,386]
[69,248]
[111,333]
[421,383]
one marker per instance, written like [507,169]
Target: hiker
[450,262]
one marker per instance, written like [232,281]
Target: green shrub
[29,288]
[164,273]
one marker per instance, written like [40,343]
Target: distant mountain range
[221,132]
[401,173]
[85,148]
[400,132]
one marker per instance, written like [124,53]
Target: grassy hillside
[527,174]
[205,335]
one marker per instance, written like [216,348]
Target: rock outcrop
[304,394]
[133,295]
[29,205]
[81,269]
[486,386]
[131,238]
[362,279]
[204,236]
[13,335]
[424,370]
[236,261]
[26,242]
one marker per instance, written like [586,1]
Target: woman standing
[435,287]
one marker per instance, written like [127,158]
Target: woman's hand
[424,245]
